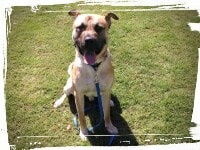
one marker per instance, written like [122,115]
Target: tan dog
[90,36]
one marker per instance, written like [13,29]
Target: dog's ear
[108,17]
[74,13]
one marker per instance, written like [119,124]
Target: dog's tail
[59,101]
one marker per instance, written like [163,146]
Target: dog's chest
[88,83]
[86,79]
[89,88]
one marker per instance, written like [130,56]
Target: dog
[92,58]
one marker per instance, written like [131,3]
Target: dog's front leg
[79,99]
[106,109]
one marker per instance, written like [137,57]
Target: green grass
[155,59]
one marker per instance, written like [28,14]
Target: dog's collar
[96,65]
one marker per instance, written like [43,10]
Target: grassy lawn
[155,58]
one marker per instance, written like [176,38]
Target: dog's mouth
[89,58]
[90,49]
[90,46]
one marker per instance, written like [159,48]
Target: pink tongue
[89,59]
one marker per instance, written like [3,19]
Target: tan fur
[82,76]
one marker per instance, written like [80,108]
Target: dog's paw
[83,135]
[112,129]
[112,103]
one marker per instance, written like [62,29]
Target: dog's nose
[89,41]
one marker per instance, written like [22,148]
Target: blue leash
[99,100]
[75,120]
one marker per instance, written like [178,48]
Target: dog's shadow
[99,136]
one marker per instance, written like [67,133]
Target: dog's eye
[80,28]
[98,28]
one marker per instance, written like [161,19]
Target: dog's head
[90,34]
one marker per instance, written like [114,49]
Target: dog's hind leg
[68,89]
